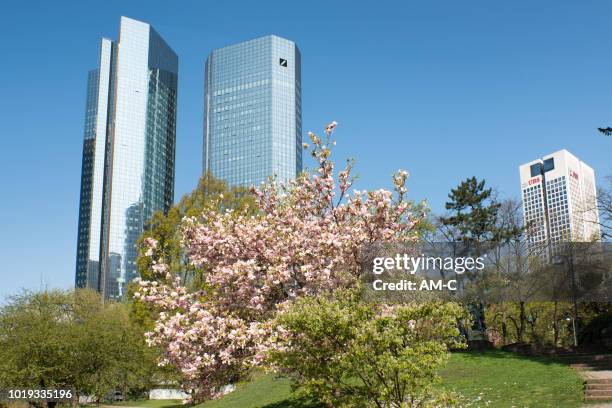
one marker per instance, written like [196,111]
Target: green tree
[473,217]
[475,223]
[110,353]
[349,353]
[70,339]
[34,342]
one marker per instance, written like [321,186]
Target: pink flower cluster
[306,239]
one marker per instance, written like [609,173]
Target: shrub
[349,353]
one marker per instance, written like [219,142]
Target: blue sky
[444,89]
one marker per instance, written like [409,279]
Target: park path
[598,383]
[596,369]
[598,387]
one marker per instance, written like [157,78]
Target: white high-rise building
[559,200]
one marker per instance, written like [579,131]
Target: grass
[510,380]
[491,378]
[263,391]
[151,403]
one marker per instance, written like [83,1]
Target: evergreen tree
[475,222]
[474,216]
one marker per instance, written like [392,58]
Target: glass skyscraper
[128,154]
[253,112]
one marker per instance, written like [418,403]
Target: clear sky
[445,89]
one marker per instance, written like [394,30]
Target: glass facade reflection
[128,154]
[252,112]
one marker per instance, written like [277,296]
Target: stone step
[597,398]
[595,369]
[594,381]
[603,386]
[599,393]
[591,368]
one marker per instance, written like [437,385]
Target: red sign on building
[535,180]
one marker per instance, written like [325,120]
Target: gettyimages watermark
[490,272]
[423,264]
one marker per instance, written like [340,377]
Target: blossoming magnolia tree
[306,239]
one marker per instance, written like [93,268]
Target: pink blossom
[304,240]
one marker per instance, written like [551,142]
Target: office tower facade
[252,112]
[559,200]
[128,154]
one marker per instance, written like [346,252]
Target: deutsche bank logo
[283,62]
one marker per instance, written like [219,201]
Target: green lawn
[151,403]
[266,391]
[509,380]
[493,378]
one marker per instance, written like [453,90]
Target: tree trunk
[522,320]
[555,326]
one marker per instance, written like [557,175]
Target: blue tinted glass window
[549,164]
[536,169]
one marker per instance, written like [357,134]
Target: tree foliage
[607,131]
[348,353]
[604,207]
[69,339]
[473,217]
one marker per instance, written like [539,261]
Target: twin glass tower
[252,130]
[253,112]
[128,154]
